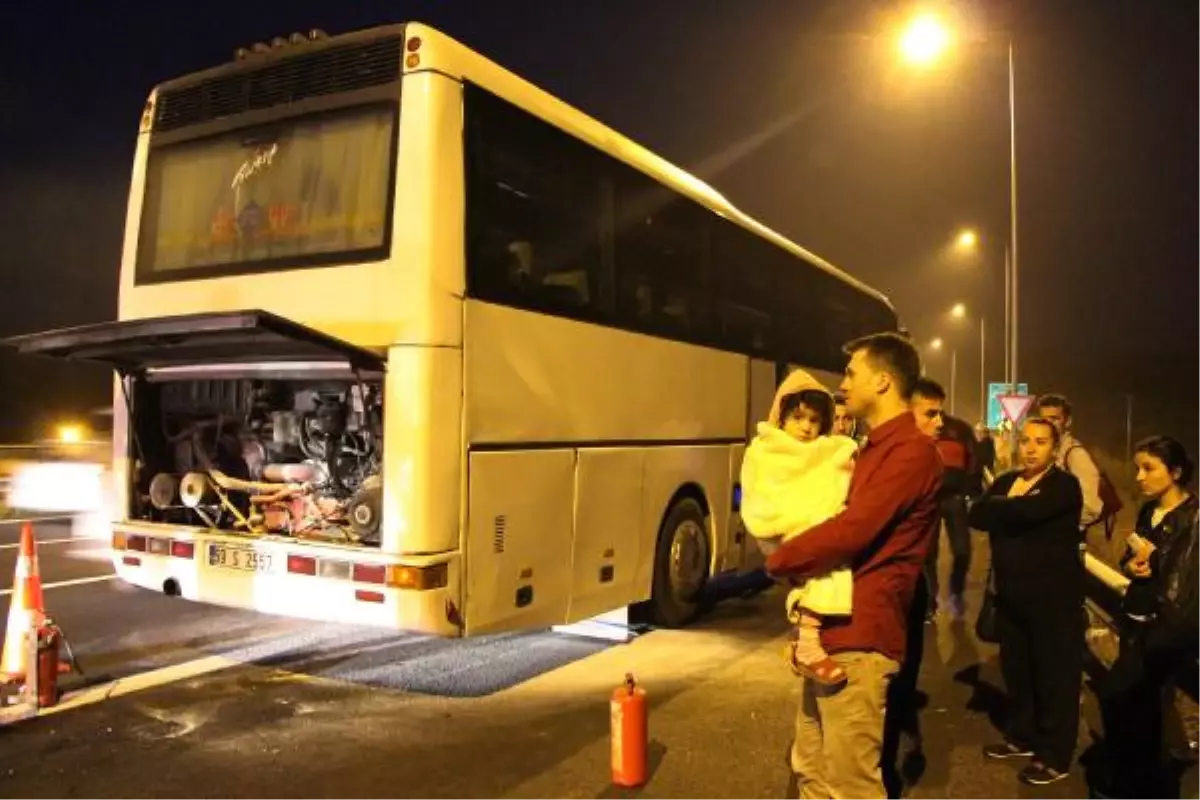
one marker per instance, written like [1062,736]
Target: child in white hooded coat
[794,476]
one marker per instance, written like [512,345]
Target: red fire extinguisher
[627,711]
[48,638]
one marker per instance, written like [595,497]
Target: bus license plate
[239,558]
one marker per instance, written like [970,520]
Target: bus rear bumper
[277,575]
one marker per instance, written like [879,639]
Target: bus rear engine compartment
[258,457]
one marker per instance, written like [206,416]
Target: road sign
[995,414]
[1015,406]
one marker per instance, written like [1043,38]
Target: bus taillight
[370,573]
[301,565]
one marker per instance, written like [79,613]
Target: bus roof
[442,53]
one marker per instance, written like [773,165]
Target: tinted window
[747,279]
[537,212]
[662,260]
[557,226]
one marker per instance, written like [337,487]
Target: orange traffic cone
[25,612]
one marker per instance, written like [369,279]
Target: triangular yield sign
[1015,406]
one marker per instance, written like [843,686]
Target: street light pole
[953,377]
[1007,317]
[982,369]
[1012,169]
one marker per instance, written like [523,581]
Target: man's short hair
[893,354]
[1054,401]
[929,389]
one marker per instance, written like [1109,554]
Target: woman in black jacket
[1162,630]
[1032,516]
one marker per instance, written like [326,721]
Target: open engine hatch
[233,337]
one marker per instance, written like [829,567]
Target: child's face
[804,424]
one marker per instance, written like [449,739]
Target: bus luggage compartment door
[518,547]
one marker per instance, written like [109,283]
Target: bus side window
[747,292]
[661,260]
[535,200]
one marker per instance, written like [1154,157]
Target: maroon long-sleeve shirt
[883,534]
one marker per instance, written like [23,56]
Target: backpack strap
[1066,460]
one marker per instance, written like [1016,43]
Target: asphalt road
[298,709]
[118,631]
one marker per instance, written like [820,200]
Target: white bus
[404,340]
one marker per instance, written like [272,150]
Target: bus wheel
[680,564]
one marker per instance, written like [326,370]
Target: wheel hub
[687,567]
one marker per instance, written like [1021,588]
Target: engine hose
[332,462]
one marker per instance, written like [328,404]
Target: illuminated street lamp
[959,311]
[967,240]
[936,344]
[70,434]
[924,40]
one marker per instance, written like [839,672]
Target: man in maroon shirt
[884,535]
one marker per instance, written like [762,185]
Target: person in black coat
[1032,517]
[1161,632]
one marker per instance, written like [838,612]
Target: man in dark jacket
[985,459]
[956,445]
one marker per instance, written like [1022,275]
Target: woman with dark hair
[1032,517]
[1160,634]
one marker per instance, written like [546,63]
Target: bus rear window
[312,190]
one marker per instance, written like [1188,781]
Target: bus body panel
[610,540]
[518,541]
[422,446]
[427,241]
[536,378]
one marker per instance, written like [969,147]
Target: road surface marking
[74,582]
[15,545]
[140,682]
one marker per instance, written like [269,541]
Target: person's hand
[1139,567]
[1141,550]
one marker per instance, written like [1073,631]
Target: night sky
[797,111]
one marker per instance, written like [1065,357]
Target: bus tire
[681,562]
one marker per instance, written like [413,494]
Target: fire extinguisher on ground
[627,711]
[49,639]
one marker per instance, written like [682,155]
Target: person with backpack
[1100,499]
